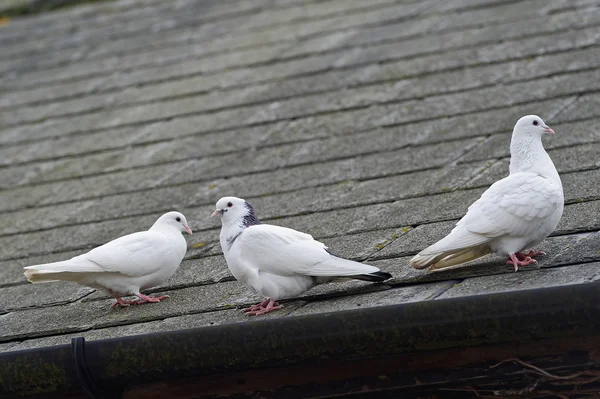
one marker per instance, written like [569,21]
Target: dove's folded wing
[133,255]
[282,251]
[516,206]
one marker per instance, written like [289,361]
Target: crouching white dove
[276,262]
[125,265]
[515,213]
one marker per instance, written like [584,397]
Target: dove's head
[531,126]
[173,220]
[233,210]
[527,153]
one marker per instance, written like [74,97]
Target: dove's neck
[527,154]
[234,226]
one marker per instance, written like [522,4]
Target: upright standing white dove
[276,262]
[126,265]
[515,213]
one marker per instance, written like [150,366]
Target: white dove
[515,213]
[126,265]
[276,262]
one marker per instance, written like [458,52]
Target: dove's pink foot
[266,306]
[122,302]
[151,299]
[531,254]
[261,305]
[524,261]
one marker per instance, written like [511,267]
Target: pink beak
[187,229]
[215,213]
[548,130]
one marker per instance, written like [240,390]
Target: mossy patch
[381,244]
[33,375]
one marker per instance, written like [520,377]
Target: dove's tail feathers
[463,256]
[449,258]
[457,247]
[340,269]
[375,277]
[65,270]
[34,277]
[45,277]
[424,261]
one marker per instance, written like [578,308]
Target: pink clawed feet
[122,303]
[531,254]
[523,258]
[143,299]
[266,306]
[149,299]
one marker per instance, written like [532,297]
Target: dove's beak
[216,212]
[187,229]
[548,130]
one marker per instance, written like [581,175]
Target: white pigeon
[276,262]
[515,213]
[126,265]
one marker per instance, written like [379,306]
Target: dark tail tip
[375,277]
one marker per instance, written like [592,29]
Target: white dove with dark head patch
[276,262]
[515,213]
[125,265]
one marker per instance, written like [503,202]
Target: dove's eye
[229,204]
[178,219]
[535,123]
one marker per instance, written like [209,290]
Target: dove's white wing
[516,205]
[286,252]
[133,255]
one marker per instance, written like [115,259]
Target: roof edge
[528,315]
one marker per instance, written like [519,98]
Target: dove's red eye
[229,204]
[535,123]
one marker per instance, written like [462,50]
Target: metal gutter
[511,317]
